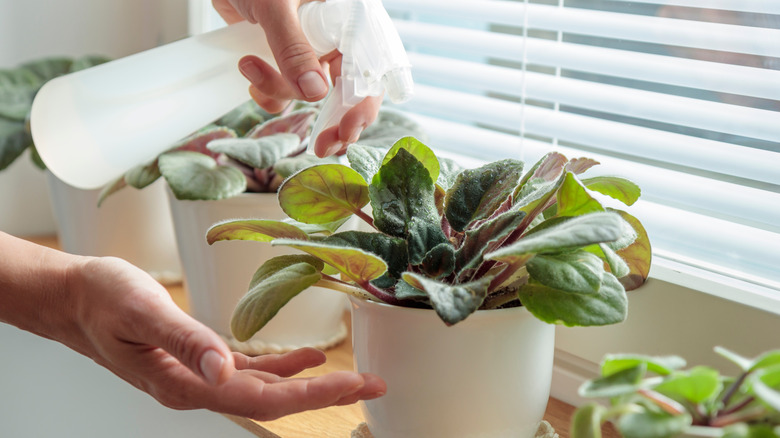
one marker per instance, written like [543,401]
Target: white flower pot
[134,225]
[217,276]
[487,376]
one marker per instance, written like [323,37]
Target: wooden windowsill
[337,421]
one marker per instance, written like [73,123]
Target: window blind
[682,96]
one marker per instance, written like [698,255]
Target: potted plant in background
[456,289]
[232,169]
[655,397]
[146,239]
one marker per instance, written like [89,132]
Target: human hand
[301,74]
[127,322]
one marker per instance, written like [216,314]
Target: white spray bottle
[92,126]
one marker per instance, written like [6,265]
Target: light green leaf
[143,176]
[742,362]
[478,193]
[608,306]
[615,187]
[696,385]
[366,160]
[359,265]
[453,303]
[259,230]
[390,249]
[323,193]
[651,424]
[277,281]
[420,151]
[574,200]
[765,383]
[625,381]
[194,176]
[288,166]
[616,264]
[244,117]
[661,365]
[586,422]
[258,152]
[576,272]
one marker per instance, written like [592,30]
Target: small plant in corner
[451,239]
[653,397]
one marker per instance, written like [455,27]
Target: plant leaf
[359,265]
[420,151]
[110,189]
[661,365]
[651,424]
[697,385]
[143,176]
[477,193]
[448,173]
[17,90]
[576,272]
[297,122]
[439,261]
[88,61]
[258,152]
[390,249]
[615,187]
[638,255]
[49,68]
[608,306]
[288,166]
[549,168]
[573,199]
[406,292]
[14,139]
[195,176]
[586,422]
[580,165]
[198,141]
[366,160]
[402,197]
[277,281]
[453,303]
[259,230]
[323,193]
[765,384]
[244,117]
[625,381]
[391,125]
[478,240]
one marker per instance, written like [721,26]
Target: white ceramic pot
[134,225]
[487,376]
[217,276]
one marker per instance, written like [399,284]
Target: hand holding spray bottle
[92,126]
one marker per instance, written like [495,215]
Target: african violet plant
[246,150]
[18,87]
[452,239]
[654,397]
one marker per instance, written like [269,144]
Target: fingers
[335,139]
[285,365]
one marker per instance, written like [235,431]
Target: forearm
[33,286]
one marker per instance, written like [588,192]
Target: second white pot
[217,276]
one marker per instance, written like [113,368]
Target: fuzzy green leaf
[453,303]
[622,382]
[405,291]
[323,193]
[277,281]
[391,125]
[195,176]
[17,89]
[576,272]
[574,199]
[696,385]
[14,139]
[617,265]
[580,165]
[244,117]
[259,230]
[477,193]
[638,255]
[359,265]
[297,122]
[565,235]
[49,68]
[420,151]
[288,166]
[439,261]
[402,196]
[143,176]
[198,142]
[478,240]
[661,365]
[258,152]
[586,422]
[448,173]
[88,61]
[618,188]
[366,160]
[651,424]
[549,168]
[608,306]
[390,249]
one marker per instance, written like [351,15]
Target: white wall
[32,29]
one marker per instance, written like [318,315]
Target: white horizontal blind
[682,96]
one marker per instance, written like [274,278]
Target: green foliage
[460,240]
[656,397]
[18,87]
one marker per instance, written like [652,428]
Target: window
[682,96]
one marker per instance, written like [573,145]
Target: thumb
[297,61]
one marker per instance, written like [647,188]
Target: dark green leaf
[260,152]
[390,249]
[194,176]
[14,139]
[402,197]
[439,261]
[477,241]
[608,306]
[478,193]
[651,424]
[17,89]
[278,281]
[88,61]
[576,272]
[406,292]
[625,381]
[323,193]
[49,68]
[448,172]
[453,303]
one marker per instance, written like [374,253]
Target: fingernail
[250,71]
[355,135]
[312,84]
[211,366]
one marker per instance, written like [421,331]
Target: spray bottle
[92,126]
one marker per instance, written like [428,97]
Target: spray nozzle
[373,57]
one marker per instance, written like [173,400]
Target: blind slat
[752,6]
